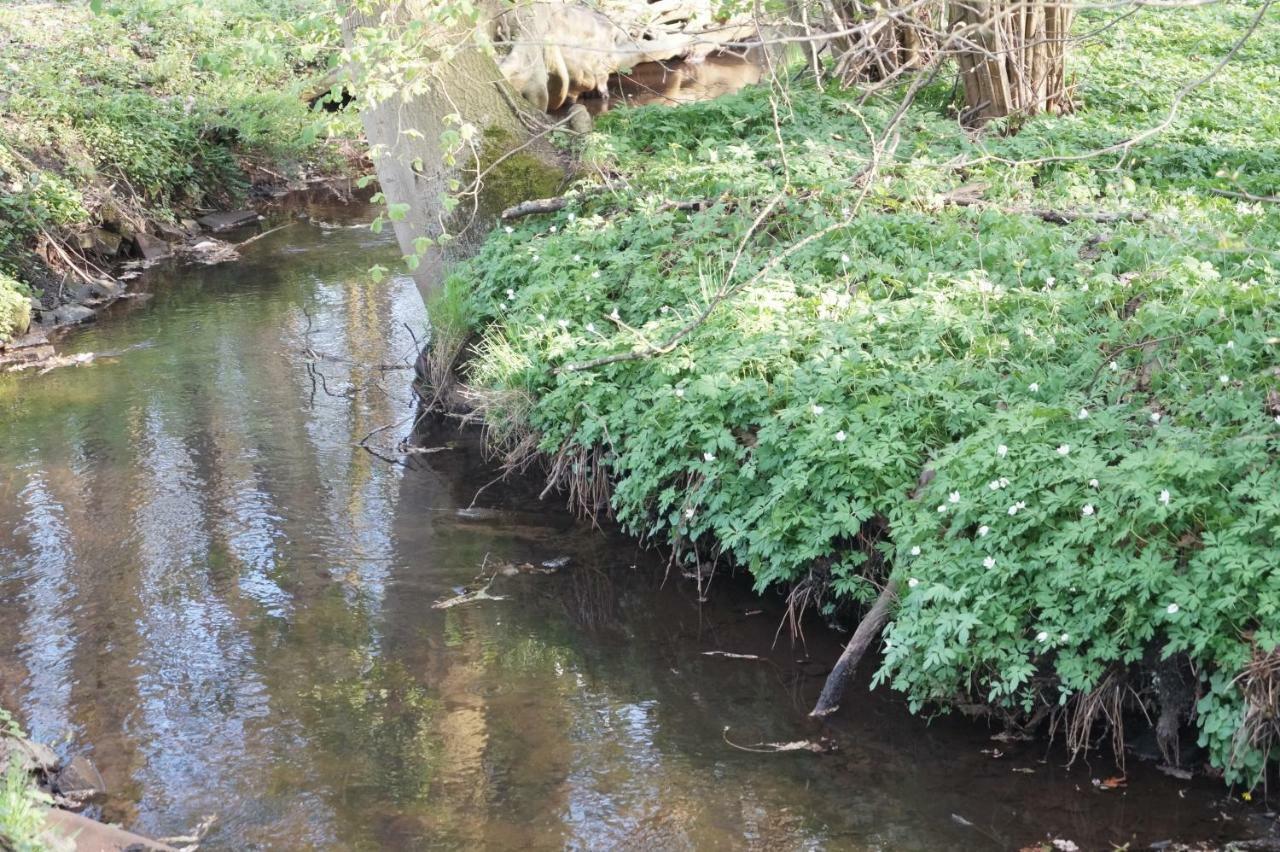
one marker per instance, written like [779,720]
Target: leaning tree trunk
[1012,56]
[419,101]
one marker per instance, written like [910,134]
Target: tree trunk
[1017,62]
[404,132]
[868,629]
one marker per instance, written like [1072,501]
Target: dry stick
[1055,217]
[1247,196]
[868,629]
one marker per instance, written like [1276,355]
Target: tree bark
[868,629]
[1017,64]
[404,136]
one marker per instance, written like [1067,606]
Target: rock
[104,242]
[96,292]
[72,314]
[557,563]
[79,780]
[172,233]
[218,222]
[150,247]
[579,119]
[28,756]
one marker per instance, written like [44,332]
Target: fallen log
[536,206]
[868,629]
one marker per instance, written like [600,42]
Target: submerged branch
[868,629]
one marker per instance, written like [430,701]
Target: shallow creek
[208,588]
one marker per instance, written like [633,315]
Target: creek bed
[210,589]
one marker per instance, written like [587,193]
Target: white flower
[953,497]
[1042,636]
[840,436]
[1033,387]
[680,392]
[595,274]
[989,563]
[591,327]
[844,258]
[1114,366]
[577,258]
[552,229]
[535,258]
[1017,507]
[1155,417]
[1050,280]
[663,309]
[942,507]
[509,229]
[1172,609]
[1063,449]
[562,323]
[983,530]
[913,582]
[994,485]
[1093,483]
[708,457]
[1083,414]
[1087,510]
[688,513]
[511,294]
[1064,637]
[1164,496]
[818,409]
[1231,344]
[613,315]
[1224,379]
[573,216]
[1002,451]
[542,317]
[915,551]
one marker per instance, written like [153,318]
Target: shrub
[1067,431]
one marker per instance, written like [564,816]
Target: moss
[516,178]
[15,310]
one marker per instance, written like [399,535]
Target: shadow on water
[208,587]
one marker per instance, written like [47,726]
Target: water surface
[210,589]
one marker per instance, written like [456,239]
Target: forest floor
[1026,379]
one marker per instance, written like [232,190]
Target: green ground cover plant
[148,110]
[1057,435]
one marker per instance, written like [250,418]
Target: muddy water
[208,588]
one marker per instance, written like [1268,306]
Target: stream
[208,588]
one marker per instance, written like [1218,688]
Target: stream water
[208,588]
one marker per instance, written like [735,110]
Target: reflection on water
[207,586]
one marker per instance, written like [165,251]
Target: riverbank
[152,116]
[1026,381]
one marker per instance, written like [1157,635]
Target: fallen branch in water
[730,655]
[868,629]
[818,747]
[469,597]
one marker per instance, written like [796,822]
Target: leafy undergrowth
[150,110]
[1068,431]
[22,805]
